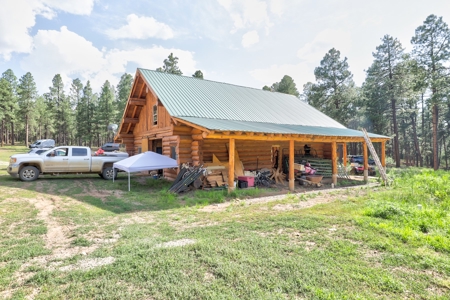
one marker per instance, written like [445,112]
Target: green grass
[380,243]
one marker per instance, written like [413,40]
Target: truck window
[79,152]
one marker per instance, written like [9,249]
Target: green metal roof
[192,97]
[222,106]
[231,125]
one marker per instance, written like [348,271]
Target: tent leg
[113,175]
[128,181]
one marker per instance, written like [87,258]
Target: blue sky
[245,42]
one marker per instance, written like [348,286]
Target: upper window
[79,152]
[155,114]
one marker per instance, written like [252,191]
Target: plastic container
[242,184]
[249,179]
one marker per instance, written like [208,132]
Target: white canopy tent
[146,161]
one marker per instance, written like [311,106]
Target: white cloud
[71,55]
[141,28]
[18,16]
[301,73]
[314,51]
[277,7]
[247,13]
[79,7]
[250,38]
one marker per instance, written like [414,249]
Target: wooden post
[383,154]
[344,154]
[291,165]
[366,162]
[231,150]
[334,172]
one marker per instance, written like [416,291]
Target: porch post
[383,154]
[231,150]
[366,162]
[291,165]
[334,172]
[344,154]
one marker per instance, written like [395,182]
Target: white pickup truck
[63,160]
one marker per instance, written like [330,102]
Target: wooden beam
[226,132]
[366,162]
[344,154]
[131,120]
[249,133]
[231,151]
[284,137]
[334,172]
[191,124]
[383,154]
[128,128]
[137,101]
[291,166]
[238,133]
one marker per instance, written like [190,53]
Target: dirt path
[325,197]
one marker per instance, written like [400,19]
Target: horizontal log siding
[251,151]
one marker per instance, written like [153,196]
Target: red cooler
[249,179]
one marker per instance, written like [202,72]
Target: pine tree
[198,74]
[107,111]
[431,44]
[6,104]
[170,66]
[27,94]
[123,92]
[386,76]
[76,94]
[334,91]
[11,119]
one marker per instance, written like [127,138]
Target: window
[173,152]
[139,150]
[79,152]
[155,114]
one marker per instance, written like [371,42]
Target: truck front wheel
[108,173]
[28,173]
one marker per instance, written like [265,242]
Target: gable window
[155,114]
[173,152]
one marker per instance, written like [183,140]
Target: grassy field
[81,237]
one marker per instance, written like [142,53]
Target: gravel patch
[178,243]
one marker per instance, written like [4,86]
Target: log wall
[255,154]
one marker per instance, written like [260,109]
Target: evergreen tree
[27,94]
[285,86]
[6,104]
[76,94]
[106,110]
[387,75]
[431,44]
[170,66]
[198,74]
[11,118]
[123,92]
[334,91]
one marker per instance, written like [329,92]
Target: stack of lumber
[215,178]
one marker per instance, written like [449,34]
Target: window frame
[155,115]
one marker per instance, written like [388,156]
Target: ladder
[375,156]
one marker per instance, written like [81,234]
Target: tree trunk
[396,146]
[445,153]
[26,130]
[418,155]
[435,137]
[12,134]
[2,132]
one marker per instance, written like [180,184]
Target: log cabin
[195,121]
